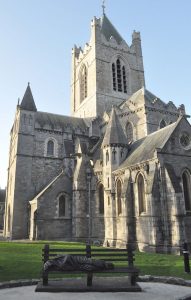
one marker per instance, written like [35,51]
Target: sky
[36,38]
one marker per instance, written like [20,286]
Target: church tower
[106,72]
[19,172]
[114,149]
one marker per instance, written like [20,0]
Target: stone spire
[27,102]
[114,134]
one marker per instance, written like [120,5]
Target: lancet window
[141,193]
[119,191]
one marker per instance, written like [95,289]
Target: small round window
[185,140]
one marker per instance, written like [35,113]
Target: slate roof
[27,102]
[108,30]
[59,121]
[139,96]
[114,132]
[144,148]
[48,186]
[144,96]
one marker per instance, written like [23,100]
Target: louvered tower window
[119,76]
[83,84]
[124,80]
[119,82]
[114,77]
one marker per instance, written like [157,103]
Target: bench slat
[64,250]
[108,250]
[92,254]
[107,259]
[115,270]
[108,254]
[82,250]
[58,254]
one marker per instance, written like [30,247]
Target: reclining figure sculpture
[76,263]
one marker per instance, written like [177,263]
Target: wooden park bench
[123,260]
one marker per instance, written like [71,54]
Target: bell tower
[106,72]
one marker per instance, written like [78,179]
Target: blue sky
[36,38]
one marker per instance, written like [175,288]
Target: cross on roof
[103,6]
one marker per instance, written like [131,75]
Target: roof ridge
[53,114]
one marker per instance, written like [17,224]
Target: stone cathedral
[117,171]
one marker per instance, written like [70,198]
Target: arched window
[119,204]
[187,190]
[114,155]
[50,148]
[83,84]
[141,194]
[24,119]
[129,132]
[30,120]
[101,198]
[62,206]
[162,124]
[119,76]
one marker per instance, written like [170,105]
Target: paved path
[151,291]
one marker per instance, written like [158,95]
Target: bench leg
[133,279]
[89,279]
[45,278]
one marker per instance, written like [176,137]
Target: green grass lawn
[21,260]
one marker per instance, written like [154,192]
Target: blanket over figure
[76,263]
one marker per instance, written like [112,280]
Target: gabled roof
[108,30]
[114,132]
[140,96]
[145,97]
[144,149]
[28,102]
[47,187]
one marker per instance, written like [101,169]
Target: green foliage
[23,260]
